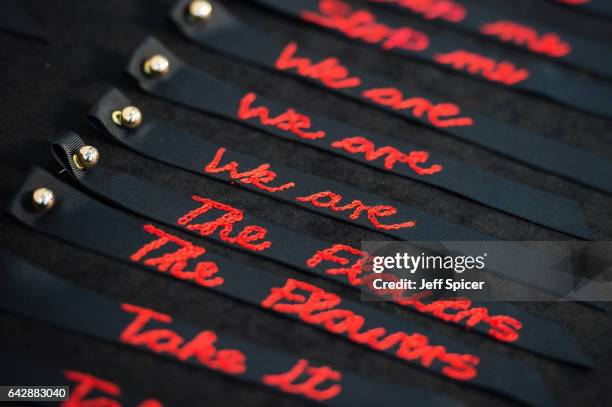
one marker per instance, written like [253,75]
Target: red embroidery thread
[201,347]
[288,382]
[510,31]
[392,155]
[290,120]
[316,306]
[226,222]
[362,24]
[432,9]
[330,254]
[476,64]
[439,114]
[329,71]
[257,177]
[503,328]
[373,212]
[175,262]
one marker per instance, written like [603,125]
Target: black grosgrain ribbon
[226,34]
[223,223]
[526,34]
[177,147]
[596,7]
[129,239]
[196,89]
[421,41]
[33,293]
[83,387]
[14,17]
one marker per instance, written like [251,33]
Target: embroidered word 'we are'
[316,306]
[166,341]
[86,384]
[175,262]
[328,199]
[361,24]
[289,382]
[510,31]
[476,64]
[245,238]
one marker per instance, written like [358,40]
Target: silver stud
[86,157]
[199,10]
[43,199]
[158,65]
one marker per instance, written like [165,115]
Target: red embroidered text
[361,145]
[328,199]
[432,9]
[258,177]
[329,71]
[166,341]
[293,381]
[316,306]
[476,64]
[175,262]
[86,384]
[245,238]
[509,31]
[290,120]
[361,24]
[439,114]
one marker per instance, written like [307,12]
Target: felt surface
[48,87]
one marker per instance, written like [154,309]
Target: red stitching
[502,327]
[175,262]
[574,2]
[86,384]
[290,120]
[329,71]
[476,64]
[257,177]
[330,254]
[358,207]
[362,24]
[226,222]
[316,306]
[287,381]
[432,9]
[509,31]
[201,347]
[439,114]
[358,145]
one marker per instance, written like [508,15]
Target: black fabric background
[45,88]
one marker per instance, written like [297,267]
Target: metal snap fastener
[130,117]
[156,66]
[86,157]
[199,10]
[43,199]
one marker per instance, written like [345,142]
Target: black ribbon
[198,90]
[289,247]
[529,35]
[17,370]
[451,51]
[177,147]
[33,293]
[126,238]
[601,8]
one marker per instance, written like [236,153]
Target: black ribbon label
[156,332]
[341,263]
